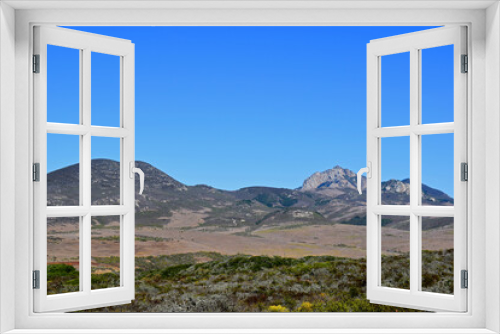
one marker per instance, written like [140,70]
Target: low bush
[277,308]
[242,283]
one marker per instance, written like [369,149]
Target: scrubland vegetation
[211,282]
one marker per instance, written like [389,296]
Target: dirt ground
[184,234]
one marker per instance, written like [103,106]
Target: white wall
[7,163]
[482,181]
[492,165]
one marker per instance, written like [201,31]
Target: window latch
[368,171]
[133,171]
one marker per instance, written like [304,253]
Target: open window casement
[414,295]
[73,217]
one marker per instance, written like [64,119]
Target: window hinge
[465,279]
[36,279]
[465,64]
[464,171]
[36,63]
[36,172]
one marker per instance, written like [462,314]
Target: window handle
[368,171]
[133,171]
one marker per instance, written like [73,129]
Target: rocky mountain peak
[334,178]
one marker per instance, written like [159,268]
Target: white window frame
[483,21]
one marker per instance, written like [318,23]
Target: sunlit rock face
[334,178]
[396,186]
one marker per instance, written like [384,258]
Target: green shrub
[106,280]
[58,271]
[171,272]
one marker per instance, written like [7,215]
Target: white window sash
[85,298]
[414,297]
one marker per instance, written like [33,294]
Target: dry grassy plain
[184,233]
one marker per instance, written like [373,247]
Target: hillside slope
[327,197]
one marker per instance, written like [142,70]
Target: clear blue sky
[233,107]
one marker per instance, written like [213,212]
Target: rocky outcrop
[334,178]
[396,186]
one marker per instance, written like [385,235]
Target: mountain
[395,192]
[327,197]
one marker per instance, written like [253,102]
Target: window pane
[63,170]
[63,85]
[395,89]
[437,84]
[105,252]
[106,180]
[63,255]
[395,169]
[437,169]
[105,90]
[437,254]
[395,247]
